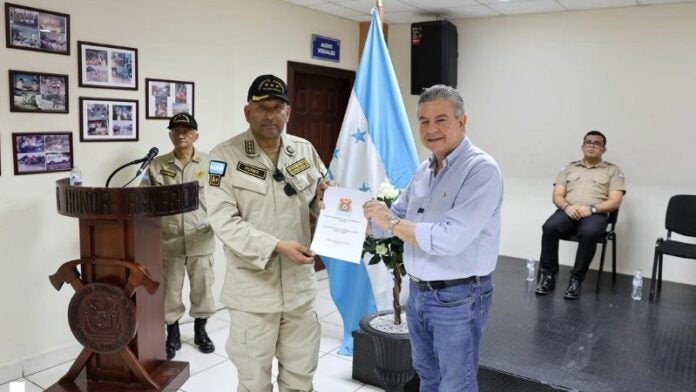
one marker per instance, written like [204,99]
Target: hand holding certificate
[341,227]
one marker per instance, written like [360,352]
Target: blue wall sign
[326,48]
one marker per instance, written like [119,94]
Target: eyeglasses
[590,143]
[278,176]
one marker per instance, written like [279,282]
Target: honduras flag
[375,145]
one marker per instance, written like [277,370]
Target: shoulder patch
[298,167]
[168,173]
[216,169]
[252,170]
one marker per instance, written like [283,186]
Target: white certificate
[341,227]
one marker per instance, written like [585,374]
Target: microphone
[148,158]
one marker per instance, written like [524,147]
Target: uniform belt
[441,284]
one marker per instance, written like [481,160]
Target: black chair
[609,235]
[681,219]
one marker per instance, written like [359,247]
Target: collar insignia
[249,147]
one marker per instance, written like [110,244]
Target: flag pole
[380,9]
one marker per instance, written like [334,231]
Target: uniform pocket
[602,179]
[243,182]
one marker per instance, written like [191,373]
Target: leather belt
[441,284]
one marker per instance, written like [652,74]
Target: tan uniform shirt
[590,185]
[187,234]
[250,213]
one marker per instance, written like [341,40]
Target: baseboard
[10,372]
[50,359]
[39,363]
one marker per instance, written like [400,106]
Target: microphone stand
[123,166]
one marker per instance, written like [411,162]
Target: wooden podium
[117,311]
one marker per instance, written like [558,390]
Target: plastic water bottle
[531,270]
[75,176]
[637,291]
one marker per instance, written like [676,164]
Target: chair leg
[659,273]
[601,265]
[613,258]
[653,283]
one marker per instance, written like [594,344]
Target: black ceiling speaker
[433,55]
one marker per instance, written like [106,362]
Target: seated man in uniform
[585,192]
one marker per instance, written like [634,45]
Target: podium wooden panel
[120,246]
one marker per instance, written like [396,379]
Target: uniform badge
[298,167]
[200,173]
[216,170]
[252,170]
[249,147]
[168,173]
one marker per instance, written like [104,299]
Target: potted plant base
[383,359]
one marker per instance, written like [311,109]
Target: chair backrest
[681,215]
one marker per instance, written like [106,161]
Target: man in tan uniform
[188,241]
[263,186]
[585,192]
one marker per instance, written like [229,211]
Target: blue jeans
[445,327]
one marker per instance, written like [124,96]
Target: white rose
[381,249]
[387,191]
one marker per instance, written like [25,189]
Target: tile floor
[215,373]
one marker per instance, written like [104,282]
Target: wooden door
[319,97]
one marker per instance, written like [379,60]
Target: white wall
[534,85]
[220,45]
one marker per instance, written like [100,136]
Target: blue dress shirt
[457,215]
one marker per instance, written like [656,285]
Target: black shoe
[574,289]
[173,340]
[200,337]
[546,284]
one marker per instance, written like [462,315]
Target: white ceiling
[409,11]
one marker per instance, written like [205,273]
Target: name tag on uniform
[168,173]
[298,167]
[252,170]
[216,170]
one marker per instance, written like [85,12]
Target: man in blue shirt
[449,219]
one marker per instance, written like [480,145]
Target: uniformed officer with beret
[585,192]
[263,185]
[188,241]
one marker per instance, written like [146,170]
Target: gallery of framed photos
[99,65]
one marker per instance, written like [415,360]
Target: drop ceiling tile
[366,5]
[526,7]
[588,4]
[335,9]
[476,11]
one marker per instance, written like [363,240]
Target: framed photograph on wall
[107,66]
[108,120]
[42,152]
[165,98]
[35,29]
[38,92]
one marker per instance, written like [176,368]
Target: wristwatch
[392,224]
[593,209]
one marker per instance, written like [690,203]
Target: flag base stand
[383,359]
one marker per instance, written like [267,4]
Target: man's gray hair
[446,93]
